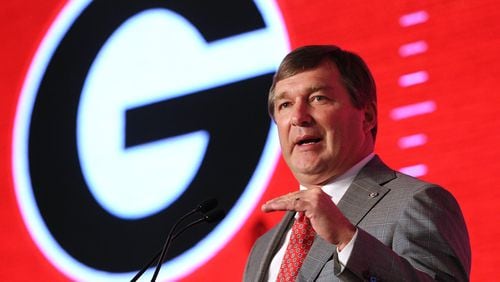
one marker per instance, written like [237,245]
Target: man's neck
[350,172]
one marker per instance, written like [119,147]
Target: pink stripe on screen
[412,110]
[414,78]
[411,141]
[413,18]
[413,48]
[415,170]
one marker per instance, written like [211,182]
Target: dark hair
[354,73]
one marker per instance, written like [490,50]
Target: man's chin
[311,175]
[307,163]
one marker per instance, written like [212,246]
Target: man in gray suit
[371,223]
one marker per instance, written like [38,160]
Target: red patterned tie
[301,241]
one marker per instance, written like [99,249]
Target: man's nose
[301,114]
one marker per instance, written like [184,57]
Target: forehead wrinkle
[280,95]
[316,88]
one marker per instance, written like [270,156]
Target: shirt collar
[339,185]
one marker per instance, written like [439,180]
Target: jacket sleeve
[429,243]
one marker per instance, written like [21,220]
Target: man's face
[321,133]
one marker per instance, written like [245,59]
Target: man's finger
[285,203]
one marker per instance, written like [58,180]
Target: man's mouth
[308,141]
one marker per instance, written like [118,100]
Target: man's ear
[370,120]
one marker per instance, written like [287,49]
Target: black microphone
[204,207]
[212,216]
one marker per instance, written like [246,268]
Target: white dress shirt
[335,190]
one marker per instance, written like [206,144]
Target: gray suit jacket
[408,230]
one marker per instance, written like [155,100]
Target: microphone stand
[211,216]
[167,242]
[204,207]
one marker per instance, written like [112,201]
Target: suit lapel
[273,245]
[321,251]
[361,196]
[366,190]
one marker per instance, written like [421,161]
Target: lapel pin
[373,194]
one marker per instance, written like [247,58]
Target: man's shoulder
[401,183]
[377,168]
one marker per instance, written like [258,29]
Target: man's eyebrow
[316,88]
[310,90]
[280,95]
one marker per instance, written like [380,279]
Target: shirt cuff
[345,254]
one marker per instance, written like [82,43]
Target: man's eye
[284,105]
[318,98]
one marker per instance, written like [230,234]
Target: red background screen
[436,64]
